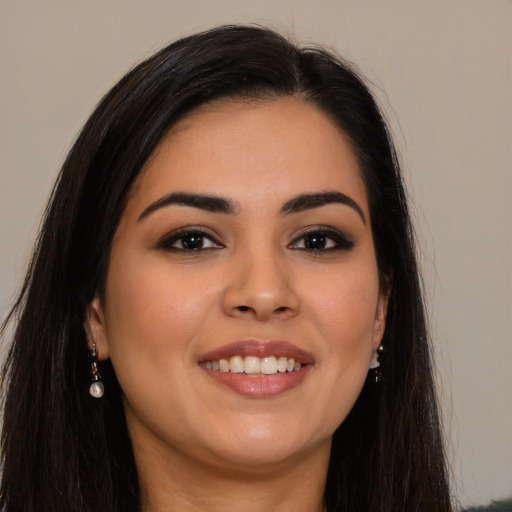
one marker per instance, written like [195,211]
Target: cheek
[344,313]
[153,312]
[153,317]
[345,307]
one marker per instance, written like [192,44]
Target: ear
[381,312]
[95,328]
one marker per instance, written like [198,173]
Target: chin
[260,446]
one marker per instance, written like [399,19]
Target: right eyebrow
[214,204]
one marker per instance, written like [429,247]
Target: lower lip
[260,387]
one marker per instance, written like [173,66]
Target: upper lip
[258,348]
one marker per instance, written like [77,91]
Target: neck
[176,482]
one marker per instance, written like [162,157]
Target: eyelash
[198,235]
[340,240]
[167,242]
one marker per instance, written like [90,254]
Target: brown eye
[193,241]
[322,240]
[189,241]
[318,241]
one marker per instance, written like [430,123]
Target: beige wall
[446,67]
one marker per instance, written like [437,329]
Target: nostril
[243,308]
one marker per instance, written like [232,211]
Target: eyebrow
[212,204]
[217,204]
[310,201]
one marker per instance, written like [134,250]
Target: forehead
[253,150]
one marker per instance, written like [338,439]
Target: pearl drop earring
[374,361]
[375,364]
[96,389]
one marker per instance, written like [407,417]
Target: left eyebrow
[310,201]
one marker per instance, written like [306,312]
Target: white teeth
[252,365]
[269,365]
[236,364]
[224,365]
[282,364]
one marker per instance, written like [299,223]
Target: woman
[230,243]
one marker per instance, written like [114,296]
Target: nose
[261,288]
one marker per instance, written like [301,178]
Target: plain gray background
[446,69]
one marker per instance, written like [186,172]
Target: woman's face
[245,245]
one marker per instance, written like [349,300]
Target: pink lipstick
[256,368]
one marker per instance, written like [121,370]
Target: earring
[375,364]
[96,388]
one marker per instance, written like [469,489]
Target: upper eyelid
[325,229]
[322,228]
[329,231]
[178,233]
[191,229]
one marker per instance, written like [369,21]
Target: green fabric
[495,506]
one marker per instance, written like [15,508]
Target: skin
[198,444]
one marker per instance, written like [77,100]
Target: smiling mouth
[254,366]
[258,369]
